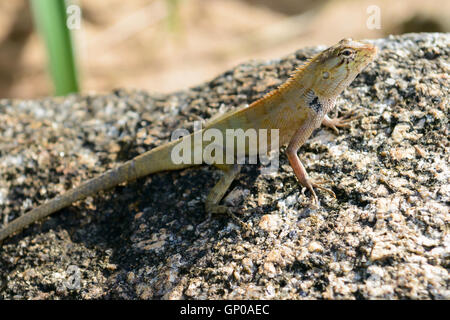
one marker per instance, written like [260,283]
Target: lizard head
[336,67]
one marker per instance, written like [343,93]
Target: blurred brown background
[129,44]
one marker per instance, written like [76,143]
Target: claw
[324,189]
[341,122]
[315,200]
[310,185]
[323,181]
[222,209]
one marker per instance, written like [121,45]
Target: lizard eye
[325,74]
[347,53]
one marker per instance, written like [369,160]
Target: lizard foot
[341,122]
[222,209]
[217,209]
[310,185]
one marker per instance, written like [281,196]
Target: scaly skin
[296,108]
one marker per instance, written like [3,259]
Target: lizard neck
[304,81]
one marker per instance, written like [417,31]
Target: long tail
[155,160]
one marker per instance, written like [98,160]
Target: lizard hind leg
[216,194]
[218,191]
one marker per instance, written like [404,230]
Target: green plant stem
[50,18]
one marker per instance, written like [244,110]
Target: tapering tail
[155,160]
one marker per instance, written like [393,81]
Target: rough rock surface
[386,235]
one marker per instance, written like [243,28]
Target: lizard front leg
[296,142]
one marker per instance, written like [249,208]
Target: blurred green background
[51,21]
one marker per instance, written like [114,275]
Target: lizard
[295,108]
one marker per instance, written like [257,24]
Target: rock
[270,222]
[385,237]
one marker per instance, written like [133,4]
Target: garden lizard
[296,108]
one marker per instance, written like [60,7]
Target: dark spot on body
[315,104]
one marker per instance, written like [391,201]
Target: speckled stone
[385,237]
